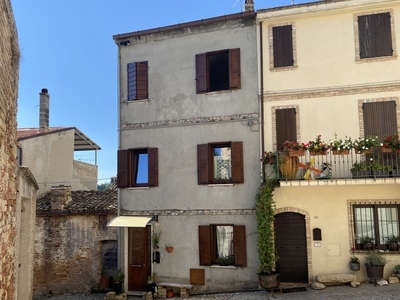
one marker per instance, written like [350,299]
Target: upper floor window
[218,71]
[286,129]
[19,156]
[283,46]
[220,163]
[138,81]
[375,35]
[138,167]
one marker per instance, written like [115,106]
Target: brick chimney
[249,5]
[44,111]
[59,197]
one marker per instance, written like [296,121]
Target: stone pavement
[367,291]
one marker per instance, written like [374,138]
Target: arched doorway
[291,245]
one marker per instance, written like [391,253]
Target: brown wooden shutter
[239,239]
[384,35]
[285,126]
[234,69]
[282,46]
[142,80]
[205,245]
[123,168]
[153,166]
[380,118]
[131,81]
[237,162]
[202,164]
[201,73]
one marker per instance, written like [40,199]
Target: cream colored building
[331,67]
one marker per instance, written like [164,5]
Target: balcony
[330,167]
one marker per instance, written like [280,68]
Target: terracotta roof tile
[26,133]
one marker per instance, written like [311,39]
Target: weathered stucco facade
[9,60]
[176,120]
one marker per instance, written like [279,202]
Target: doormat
[295,289]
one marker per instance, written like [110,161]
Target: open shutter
[239,240]
[285,126]
[237,162]
[282,46]
[131,81]
[205,245]
[384,35]
[153,166]
[123,168]
[380,118]
[234,68]
[142,80]
[201,73]
[202,164]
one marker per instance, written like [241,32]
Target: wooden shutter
[380,118]
[142,80]
[204,245]
[234,69]
[131,81]
[384,35]
[239,240]
[285,126]
[202,164]
[123,168]
[282,46]
[237,162]
[153,166]
[201,73]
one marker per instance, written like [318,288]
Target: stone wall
[9,62]
[68,252]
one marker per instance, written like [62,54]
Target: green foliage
[393,238]
[396,269]
[118,276]
[366,239]
[354,260]
[153,278]
[265,207]
[375,258]
[103,186]
[226,260]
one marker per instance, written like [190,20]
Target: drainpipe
[262,97]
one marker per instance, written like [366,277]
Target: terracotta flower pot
[169,249]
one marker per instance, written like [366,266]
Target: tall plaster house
[331,67]
[188,159]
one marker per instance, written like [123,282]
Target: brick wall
[9,62]
[68,253]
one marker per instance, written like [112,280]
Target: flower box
[363,151]
[293,153]
[341,152]
[315,153]
[386,150]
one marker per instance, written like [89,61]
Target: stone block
[393,279]
[317,286]
[355,284]
[336,279]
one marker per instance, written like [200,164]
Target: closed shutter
[202,164]
[153,166]
[237,162]
[380,118]
[285,126]
[123,168]
[234,69]
[201,73]
[283,46]
[239,236]
[142,80]
[384,35]
[204,245]
[131,81]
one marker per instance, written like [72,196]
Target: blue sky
[67,47]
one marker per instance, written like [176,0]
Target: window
[285,126]
[222,244]
[218,71]
[138,167]
[282,46]
[377,221]
[137,81]
[379,118]
[19,156]
[220,163]
[375,36]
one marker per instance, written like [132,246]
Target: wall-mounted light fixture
[125,43]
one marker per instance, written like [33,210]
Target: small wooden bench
[185,288]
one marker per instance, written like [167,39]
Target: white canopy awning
[129,221]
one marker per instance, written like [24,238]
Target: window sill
[139,100]
[139,188]
[219,92]
[288,68]
[222,267]
[375,59]
[221,185]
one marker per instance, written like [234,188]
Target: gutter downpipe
[262,98]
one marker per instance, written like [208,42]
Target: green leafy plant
[118,276]
[152,278]
[225,260]
[354,260]
[375,258]
[317,145]
[366,239]
[396,269]
[359,166]
[155,237]
[363,144]
[341,144]
[269,158]
[292,145]
[393,239]
[265,207]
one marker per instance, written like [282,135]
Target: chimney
[59,197]
[44,111]
[249,5]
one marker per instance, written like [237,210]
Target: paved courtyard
[366,291]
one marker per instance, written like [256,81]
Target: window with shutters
[222,244]
[218,71]
[282,46]
[137,80]
[137,168]
[285,126]
[220,163]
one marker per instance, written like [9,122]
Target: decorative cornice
[190,122]
[189,212]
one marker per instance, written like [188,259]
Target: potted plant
[317,147]
[117,280]
[396,270]
[364,145]
[151,282]
[169,248]
[294,148]
[155,238]
[393,242]
[375,262]
[341,146]
[367,242]
[225,260]
[265,215]
[354,263]
[391,143]
[360,170]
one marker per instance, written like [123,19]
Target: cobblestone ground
[366,291]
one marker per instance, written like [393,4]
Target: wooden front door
[291,246]
[139,258]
